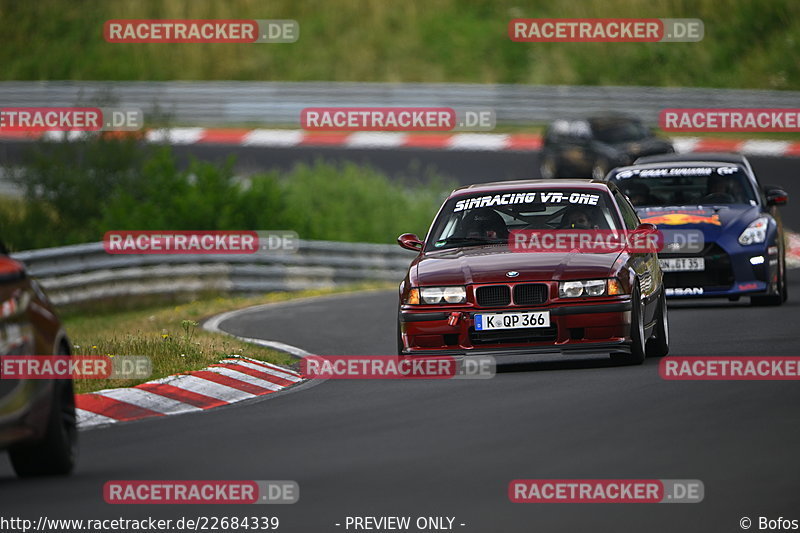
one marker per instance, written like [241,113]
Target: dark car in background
[743,252]
[592,146]
[37,416]
[468,292]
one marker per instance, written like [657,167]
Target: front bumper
[729,272]
[581,327]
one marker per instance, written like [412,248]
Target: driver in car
[578,218]
[723,189]
[485,224]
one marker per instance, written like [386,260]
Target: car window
[579,129]
[628,213]
[559,128]
[490,218]
[617,131]
[686,186]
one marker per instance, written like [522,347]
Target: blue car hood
[713,221]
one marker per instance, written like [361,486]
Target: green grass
[747,44]
[171,337]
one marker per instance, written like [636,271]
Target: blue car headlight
[755,233]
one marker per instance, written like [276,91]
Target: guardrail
[280,103]
[86,272]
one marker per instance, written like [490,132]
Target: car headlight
[591,287]
[442,295]
[570,289]
[755,233]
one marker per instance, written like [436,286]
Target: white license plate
[683,264]
[531,319]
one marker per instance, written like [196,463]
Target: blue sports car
[716,197]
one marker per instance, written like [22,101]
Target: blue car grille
[717,274]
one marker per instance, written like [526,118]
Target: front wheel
[781,291]
[658,345]
[638,351]
[56,452]
[399,339]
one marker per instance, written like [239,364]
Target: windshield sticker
[545,197]
[678,171]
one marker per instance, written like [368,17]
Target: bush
[76,191]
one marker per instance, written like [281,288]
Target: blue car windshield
[686,186]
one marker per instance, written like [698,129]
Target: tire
[781,293]
[548,168]
[784,287]
[55,454]
[600,169]
[638,350]
[658,345]
[399,339]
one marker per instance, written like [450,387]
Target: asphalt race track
[450,448]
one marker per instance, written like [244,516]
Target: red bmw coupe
[478,288]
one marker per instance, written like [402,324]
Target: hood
[644,147]
[489,264]
[713,221]
[10,270]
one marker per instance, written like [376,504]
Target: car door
[16,338]
[645,264]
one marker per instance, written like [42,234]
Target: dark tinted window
[628,214]
[695,185]
[489,218]
[616,131]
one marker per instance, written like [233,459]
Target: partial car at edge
[37,416]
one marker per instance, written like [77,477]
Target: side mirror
[410,241]
[645,239]
[3,248]
[775,195]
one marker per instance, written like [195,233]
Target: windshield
[686,186]
[617,131]
[489,219]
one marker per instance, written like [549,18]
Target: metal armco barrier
[279,103]
[86,272]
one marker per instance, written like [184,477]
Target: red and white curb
[229,381]
[792,250]
[278,138]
